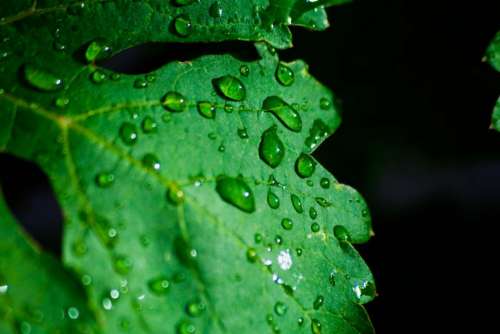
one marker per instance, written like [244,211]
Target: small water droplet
[315,227]
[324,183]
[41,79]
[175,195]
[252,255]
[140,83]
[122,264]
[287,224]
[61,102]
[98,77]
[151,161]
[174,101]
[341,233]
[242,133]
[236,192]
[257,238]
[318,302]
[86,280]
[230,87]
[280,308]
[305,165]
[297,203]
[272,200]
[271,148]
[195,308]
[228,108]
[128,133]
[105,179]
[149,125]
[332,278]
[313,213]
[183,25]
[186,327]
[206,109]
[325,103]
[159,285]
[285,75]
[221,148]
[299,251]
[283,112]
[285,260]
[97,50]
[315,326]
[323,202]
[300,321]
[244,70]
[215,10]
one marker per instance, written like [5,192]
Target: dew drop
[285,75]
[149,125]
[228,108]
[215,10]
[98,77]
[242,133]
[300,321]
[280,308]
[297,203]
[315,227]
[183,25]
[186,327]
[97,50]
[122,264]
[195,308]
[285,260]
[285,113]
[325,103]
[61,102]
[287,224]
[341,233]
[332,278]
[206,109]
[236,192]
[313,213]
[244,70]
[257,238]
[299,251]
[174,101]
[252,255]
[140,83]
[73,313]
[322,202]
[221,148]
[278,239]
[105,179]
[315,326]
[271,148]
[324,183]
[151,161]
[230,87]
[159,285]
[273,200]
[128,133]
[175,195]
[41,79]
[318,302]
[305,165]
[318,131]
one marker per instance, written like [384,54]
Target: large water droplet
[285,75]
[97,50]
[230,87]
[42,79]
[273,200]
[341,233]
[285,113]
[280,308]
[206,109]
[159,285]
[183,25]
[297,203]
[305,165]
[271,149]
[236,192]
[174,101]
[128,133]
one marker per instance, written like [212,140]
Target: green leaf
[493,58]
[36,294]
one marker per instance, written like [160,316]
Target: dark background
[417,103]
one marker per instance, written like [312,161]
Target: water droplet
[278,239]
[287,224]
[104,179]
[315,326]
[305,165]
[285,75]
[128,133]
[122,264]
[244,70]
[325,103]
[215,10]
[183,25]
[107,304]
[299,251]
[341,233]
[271,148]
[150,78]
[236,192]
[175,195]
[324,183]
[151,161]
[24,327]
[73,313]
[61,102]
[195,308]
[285,260]
[97,50]
[272,200]
[258,238]
[283,112]
[206,109]
[115,76]
[149,125]
[252,255]
[228,108]
[322,202]
[332,278]
[222,148]
[280,308]
[86,280]
[98,77]
[159,285]
[297,203]
[140,83]
[186,327]
[318,302]
[315,227]
[313,213]
[230,87]
[242,133]
[317,133]
[41,79]
[300,321]
[174,101]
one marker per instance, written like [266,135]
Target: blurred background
[417,103]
